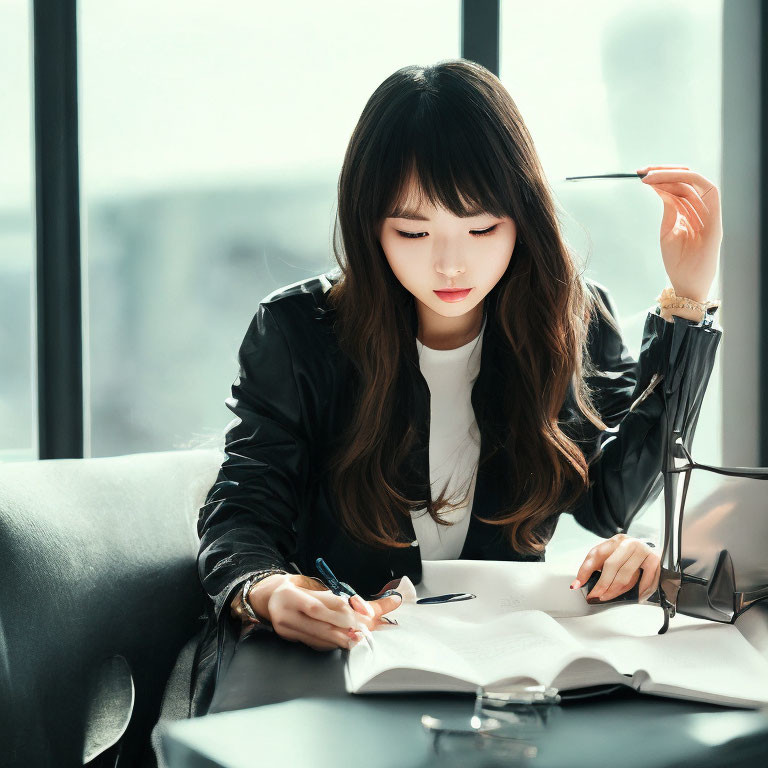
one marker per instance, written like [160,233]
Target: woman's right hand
[301,609]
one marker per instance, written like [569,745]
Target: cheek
[499,261]
[402,263]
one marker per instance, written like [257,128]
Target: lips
[453,294]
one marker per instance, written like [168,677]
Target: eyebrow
[416,216]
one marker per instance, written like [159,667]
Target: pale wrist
[263,586]
[259,596]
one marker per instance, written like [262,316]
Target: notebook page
[526,644]
[694,655]
[517,644]
[418,646]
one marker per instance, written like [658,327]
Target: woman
[363,391]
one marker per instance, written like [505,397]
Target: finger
[386,604]
[362,606]
[317,628]
[628,574]
[327,641]
[682,221]
[685,192]
[647,168]
[611,566]
[651,579]
[649,571]
[672,207]
[626,578]
[700,184]
[684,208]
[326,607]
[594,561]
[692,214]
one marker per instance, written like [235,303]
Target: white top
[454,443]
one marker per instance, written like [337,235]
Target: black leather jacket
[270,504]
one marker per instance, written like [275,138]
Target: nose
[449,272]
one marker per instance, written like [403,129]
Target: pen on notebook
[342,588]
[609,176]
[453,597]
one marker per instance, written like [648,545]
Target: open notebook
[526,626]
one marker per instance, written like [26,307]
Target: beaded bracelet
[687,308]
[245,605]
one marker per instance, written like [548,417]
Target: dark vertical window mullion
[761,313]
[480,32]
[57,214]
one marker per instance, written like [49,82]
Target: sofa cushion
[99,592]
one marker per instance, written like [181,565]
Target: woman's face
[430,249]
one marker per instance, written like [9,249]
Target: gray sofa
[99,596]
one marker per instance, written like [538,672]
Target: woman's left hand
[690,245]
[620,558]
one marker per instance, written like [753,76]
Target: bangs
[448,162]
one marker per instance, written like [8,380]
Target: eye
[483,232]
[476,233]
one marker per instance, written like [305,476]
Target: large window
[611,87]
[210,144]
[212,138]
[18,401]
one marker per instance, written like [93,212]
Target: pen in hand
[344,590]
[608,176]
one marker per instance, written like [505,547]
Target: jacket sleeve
[247,521]
[640,400]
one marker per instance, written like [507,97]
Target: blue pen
[341,588]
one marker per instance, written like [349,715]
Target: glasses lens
[725,527]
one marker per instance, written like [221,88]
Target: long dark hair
[455,130]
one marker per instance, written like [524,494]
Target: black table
[282,703]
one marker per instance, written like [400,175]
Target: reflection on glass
[713,563]
[18,402]
[212,139]
[615,111]
[724,539]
